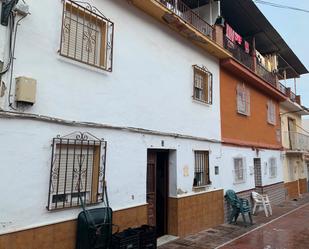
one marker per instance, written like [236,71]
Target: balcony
[181,18]
[296,141]
[238,53]
[290,94]
[250,62]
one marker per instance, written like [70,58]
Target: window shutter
[206,87]
[248,102]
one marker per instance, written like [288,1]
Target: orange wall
[253,129]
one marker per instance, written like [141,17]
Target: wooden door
[151,187]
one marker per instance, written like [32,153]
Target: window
[272,167]
[243,100]
[202,84]
[201,169]
[77,170]
[239,170]
[87,36]
[271,112]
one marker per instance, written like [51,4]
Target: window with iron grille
[201,169]
[77,170]
[243,100]
[202,84]
[239,170]
[272,167]
[87,35]
[271,112]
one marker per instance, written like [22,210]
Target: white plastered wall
[228,155]
[151,85]
[25,169]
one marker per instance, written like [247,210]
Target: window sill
[240,182]
[243,114]
[203,188]
[270,123]
[81,65]
[201,102]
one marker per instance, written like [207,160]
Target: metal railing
[239,53]
[292,96]
[296,141]
[282,88]
[179,8]
[87,35]
[266,75]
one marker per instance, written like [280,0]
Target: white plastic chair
[261,201]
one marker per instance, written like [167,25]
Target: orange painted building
[252,129]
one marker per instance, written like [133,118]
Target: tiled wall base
[195,213]
[303,184]
[276,193]
[63,235]
[296,187]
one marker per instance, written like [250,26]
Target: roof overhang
[251,78]
[294,107]
[246,18]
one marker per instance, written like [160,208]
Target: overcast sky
[293,26]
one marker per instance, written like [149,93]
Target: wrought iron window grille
[201,169]
[202,84]
[86,35]
[77,170]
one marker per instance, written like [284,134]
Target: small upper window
[87,36]
[243,100]
[201,169]
[271,112]
[202,84]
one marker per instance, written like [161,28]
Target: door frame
[166,196]
[254,169]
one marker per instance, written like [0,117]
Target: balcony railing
[180,9]
[248,61]
[239,53]
[282,89]
[292,96]
[266,75]
[297,141]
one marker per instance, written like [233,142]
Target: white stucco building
[143,104]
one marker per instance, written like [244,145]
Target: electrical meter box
[25,91]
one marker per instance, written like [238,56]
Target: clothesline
[234,37]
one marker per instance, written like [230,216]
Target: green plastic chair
[239,206]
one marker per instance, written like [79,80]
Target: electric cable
[281,6]
[11,29]
[12,63]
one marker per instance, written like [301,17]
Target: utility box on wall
[25,90]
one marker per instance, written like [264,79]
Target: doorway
[292,130]
[157,189]
[257,172]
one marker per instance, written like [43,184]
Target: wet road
[288,232]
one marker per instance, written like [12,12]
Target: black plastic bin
[127,239]
[94,228]
[147,237]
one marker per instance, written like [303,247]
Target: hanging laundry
[247,47]
[230,33]
[237,38]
